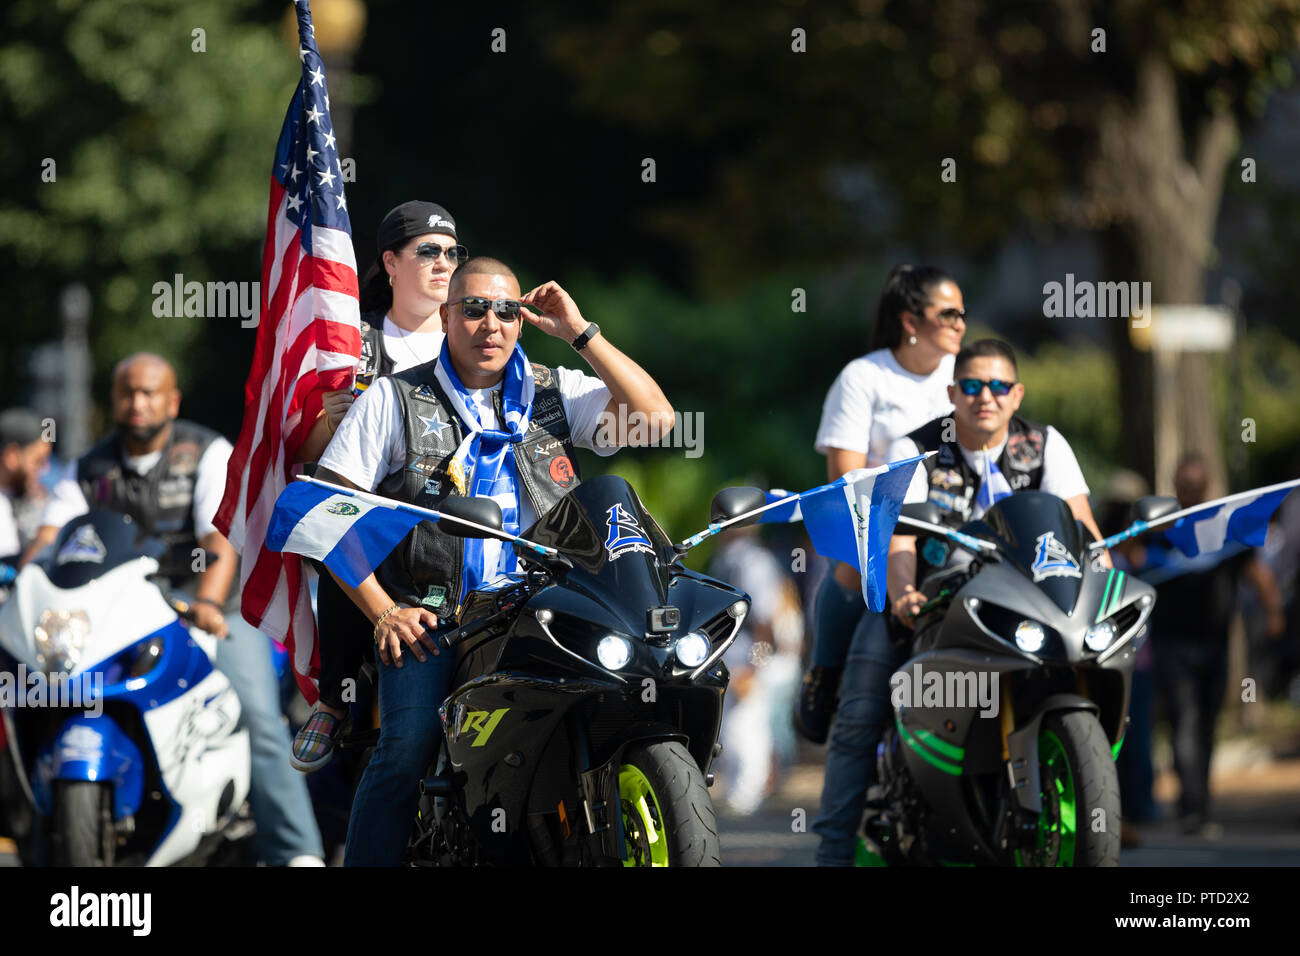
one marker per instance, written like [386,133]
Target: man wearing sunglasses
[480,420]
[985,453]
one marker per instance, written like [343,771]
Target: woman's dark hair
[376,293]
[907,289]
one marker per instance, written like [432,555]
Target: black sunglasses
[475,307]
[431,250]
[951,316]
[973,386]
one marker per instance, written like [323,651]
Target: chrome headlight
[1030,636]
[613,652]
[1099,636]
[60,639]
[692,649]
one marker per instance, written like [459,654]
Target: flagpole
[1140,527]
[715,527]
[435,515]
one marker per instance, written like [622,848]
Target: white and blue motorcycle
[122,737]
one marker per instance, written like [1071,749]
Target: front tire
[83,832]
[1080,820]
[668,818]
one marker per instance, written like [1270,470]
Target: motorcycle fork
[604,830]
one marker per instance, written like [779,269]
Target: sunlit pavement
[1257,810]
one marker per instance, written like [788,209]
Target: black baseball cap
[414,218]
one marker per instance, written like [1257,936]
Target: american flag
[308,342]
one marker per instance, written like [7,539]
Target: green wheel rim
[1058,821]
[643,827]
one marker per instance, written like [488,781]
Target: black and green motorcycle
[1013,700]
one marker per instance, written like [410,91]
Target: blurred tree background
[775,171]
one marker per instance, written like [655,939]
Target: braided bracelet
[380,619]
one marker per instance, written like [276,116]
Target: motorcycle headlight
[1099,636]
[1030,636]
[60,639]
[146,657]
[613,652]
[692,649]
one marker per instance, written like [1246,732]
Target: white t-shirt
[370,442]
[1061,474]
[409,349]
[10,544]
[874,400]
[67,502]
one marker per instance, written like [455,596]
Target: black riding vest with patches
[426,567]
[160,501]
[953,484]
[375,360]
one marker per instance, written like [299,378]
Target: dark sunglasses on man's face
[974,386]
[431,250]
[475,307]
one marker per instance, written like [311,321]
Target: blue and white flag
[852,519]
[1237,519]
[994,486]
[351,535]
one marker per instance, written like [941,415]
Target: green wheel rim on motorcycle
[1059,826]
[643,827]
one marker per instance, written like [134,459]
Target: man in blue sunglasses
[985,452]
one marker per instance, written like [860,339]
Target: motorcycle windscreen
[1041,537]
[93,544]
[619,552]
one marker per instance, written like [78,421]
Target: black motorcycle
[587,695]
[1013,700]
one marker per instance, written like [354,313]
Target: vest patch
[562,472]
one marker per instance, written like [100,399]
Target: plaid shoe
[313,745]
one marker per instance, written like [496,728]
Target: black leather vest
[426,567]
[374,358]
[954,484]
[160,501]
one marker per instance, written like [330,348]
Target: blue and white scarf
[484,465]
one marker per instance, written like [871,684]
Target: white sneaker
[306,861]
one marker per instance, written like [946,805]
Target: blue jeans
[384,808]
[864,712]
[286,824]
[836,613]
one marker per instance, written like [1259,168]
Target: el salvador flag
[852,519]
[1242,520]
[995,486]
[350,535]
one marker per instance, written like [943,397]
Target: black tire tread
[689,819]
[1096,785]
[78,837]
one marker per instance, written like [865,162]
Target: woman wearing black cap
[400,328]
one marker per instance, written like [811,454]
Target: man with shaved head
[480,420]
[168,475]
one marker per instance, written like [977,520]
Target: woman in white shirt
[400,299]
[899,385]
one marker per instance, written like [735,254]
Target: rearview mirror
[732,502]
[920,511]
[482,511]
[1151,508]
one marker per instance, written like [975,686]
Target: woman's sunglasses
[973,386]
[475,307]
[431,250]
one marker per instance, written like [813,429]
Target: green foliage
[163,160]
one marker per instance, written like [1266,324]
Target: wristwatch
[589,333]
